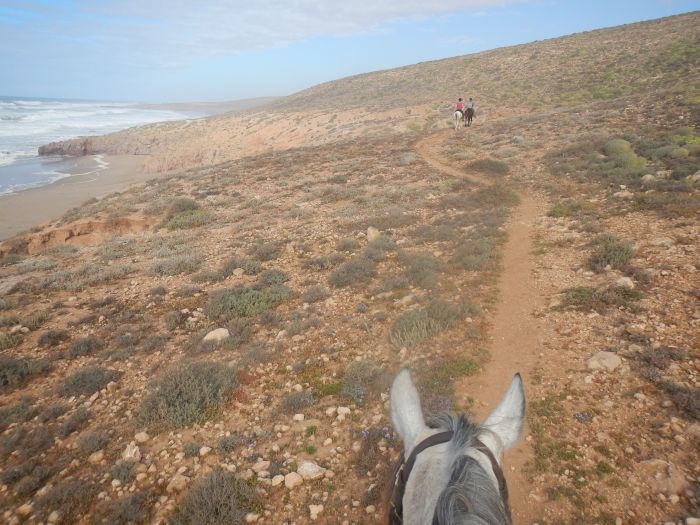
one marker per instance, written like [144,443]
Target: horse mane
[470,497]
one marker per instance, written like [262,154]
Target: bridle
[404,471]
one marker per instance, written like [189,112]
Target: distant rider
[459,106]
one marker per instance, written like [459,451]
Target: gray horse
[450,473]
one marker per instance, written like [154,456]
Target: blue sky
[184,50]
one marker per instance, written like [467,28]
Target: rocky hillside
[660,56]
[215,346]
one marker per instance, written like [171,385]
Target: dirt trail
[515,334]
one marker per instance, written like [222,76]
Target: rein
[405,467]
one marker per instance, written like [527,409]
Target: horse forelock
[470,496]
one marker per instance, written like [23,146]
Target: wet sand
[26,209]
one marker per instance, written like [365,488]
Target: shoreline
[87,178]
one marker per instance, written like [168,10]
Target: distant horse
[450,472]
[457,118]
[469,116]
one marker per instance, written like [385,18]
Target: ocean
[27,123]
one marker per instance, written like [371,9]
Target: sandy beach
[26,209]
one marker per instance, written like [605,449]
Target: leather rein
[404,471]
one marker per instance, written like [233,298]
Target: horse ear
[506,421]
[406,412]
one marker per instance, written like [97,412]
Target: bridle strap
[404,470]
[498,472]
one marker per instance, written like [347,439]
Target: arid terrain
[215,345]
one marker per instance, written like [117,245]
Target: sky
[215,50]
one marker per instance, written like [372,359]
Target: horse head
[450,471]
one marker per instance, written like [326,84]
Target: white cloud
[176,32]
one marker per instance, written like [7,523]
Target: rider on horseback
[459,106]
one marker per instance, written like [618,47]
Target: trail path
[515,334]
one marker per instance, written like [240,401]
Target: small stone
[293,480]
[203,451]
[261,466]
[96,457]
[314,511]
[370,509]
[25,510]
[177,484]
[298,417]
[277,480]
[310,470]
[238,272]
[648,179]
[372,234]
[604,360]
[625,282]
[218,335]
[692,521]
[251,517]
[141,437]
[53,517]
[132,452]
[623,194]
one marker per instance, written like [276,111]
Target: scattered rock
[298,417]
[372,234]
[277,480]
[261,466]
[203,451]
[292,480]
[96,457]
[142,437]
[218,335]
[314,511]
[623,194]
[131,452]
[625,282]
[663,476]
[310,470]
[178,483]
[648,179]
[605,361]
[26,509]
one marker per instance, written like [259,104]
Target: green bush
[244,302]
[588,298]
[15,371]
[249,266]
[219,498]
[189,219]
[92,442]
[325,262]
[421,268]
[84,346]
[128,510]
[87,381]
[476,255]
[489,166]
[71,497]
[564,209]
[181,205]
[415,326]
[83,277]
[296,402]
[177,265]
[272,277]
[348,245]
[361,378]
[52,337]
[314,293]
[24,410]
[74,422]
[123,470]
[267,251]
[609,250]
[356,272]
[7,341]
[187,393]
